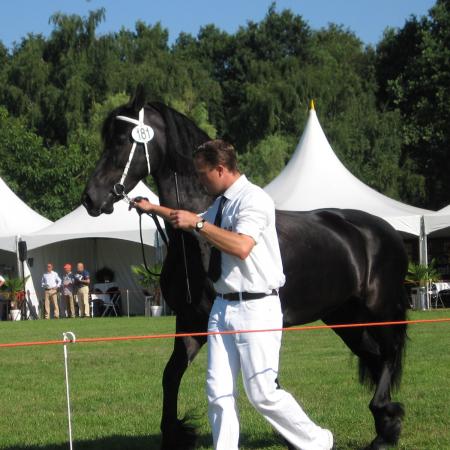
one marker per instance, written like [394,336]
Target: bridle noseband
[141,134]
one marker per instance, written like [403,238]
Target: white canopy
[16,218]
[121,224]
[315,178]
[98,242]
[438,223]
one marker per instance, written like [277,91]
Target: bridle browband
[141,134]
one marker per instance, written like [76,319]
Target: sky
[366,18]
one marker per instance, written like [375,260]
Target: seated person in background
[51,282]
[82,281]
[67,290]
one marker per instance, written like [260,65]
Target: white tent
[315,178]
[121,224]
[17,218]
[438,223]
[108,240]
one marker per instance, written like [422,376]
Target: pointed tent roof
[16,218]
[121,224]
[438,222]
[315,178]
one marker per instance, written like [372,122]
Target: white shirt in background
[51,280]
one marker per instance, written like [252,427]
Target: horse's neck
[192,196]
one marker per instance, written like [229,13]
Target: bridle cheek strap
[141,134]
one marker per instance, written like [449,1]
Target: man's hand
[184,220]
[142,204]
[178,218]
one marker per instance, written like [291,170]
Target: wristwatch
[199,225]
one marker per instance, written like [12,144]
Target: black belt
[236,296]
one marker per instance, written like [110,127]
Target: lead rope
[183,245]
[163,237]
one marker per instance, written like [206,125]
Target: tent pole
[21,274]
[423,247]
[19,265]
[423,243]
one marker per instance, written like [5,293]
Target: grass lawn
[117,396]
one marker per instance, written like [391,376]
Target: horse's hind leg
[176,433]
[379,351]
[387,414]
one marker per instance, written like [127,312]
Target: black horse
[341,266]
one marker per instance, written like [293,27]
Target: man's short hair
[218,152]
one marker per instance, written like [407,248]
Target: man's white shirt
[250,211]
[51,280]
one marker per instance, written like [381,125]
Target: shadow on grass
[148,443]
[105,443]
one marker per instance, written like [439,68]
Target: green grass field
[117,396]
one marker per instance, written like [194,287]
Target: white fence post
[68,337]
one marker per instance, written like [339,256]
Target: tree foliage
[384,110]
[413,71]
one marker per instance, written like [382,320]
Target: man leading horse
[247,272]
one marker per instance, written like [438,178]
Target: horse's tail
[396,342]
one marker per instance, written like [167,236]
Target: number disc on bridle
[142,133]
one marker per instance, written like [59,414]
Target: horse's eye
[122,138]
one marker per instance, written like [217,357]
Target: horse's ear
[140,98]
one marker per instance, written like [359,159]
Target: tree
[413,67]
[252,87]
[265,161]
[43,177]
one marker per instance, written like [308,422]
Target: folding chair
[111,302]
[97,298]
[444,297]
[436,297]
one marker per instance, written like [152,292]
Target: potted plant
[149,281]
[15,288]
[422,276]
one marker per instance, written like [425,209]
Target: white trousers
[257,356]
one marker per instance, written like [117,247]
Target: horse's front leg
[176,433]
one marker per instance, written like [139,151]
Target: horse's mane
[183,137]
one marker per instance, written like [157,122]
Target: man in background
[82,280]
[67,290]
[51,282]
[2,301]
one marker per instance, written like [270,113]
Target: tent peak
[311,105]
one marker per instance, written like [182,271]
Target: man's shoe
[330,440]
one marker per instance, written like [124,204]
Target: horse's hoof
[179,436]
[388,424]
[377,444]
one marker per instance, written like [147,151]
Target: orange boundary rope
[212,333]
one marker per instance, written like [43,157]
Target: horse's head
[133,140]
